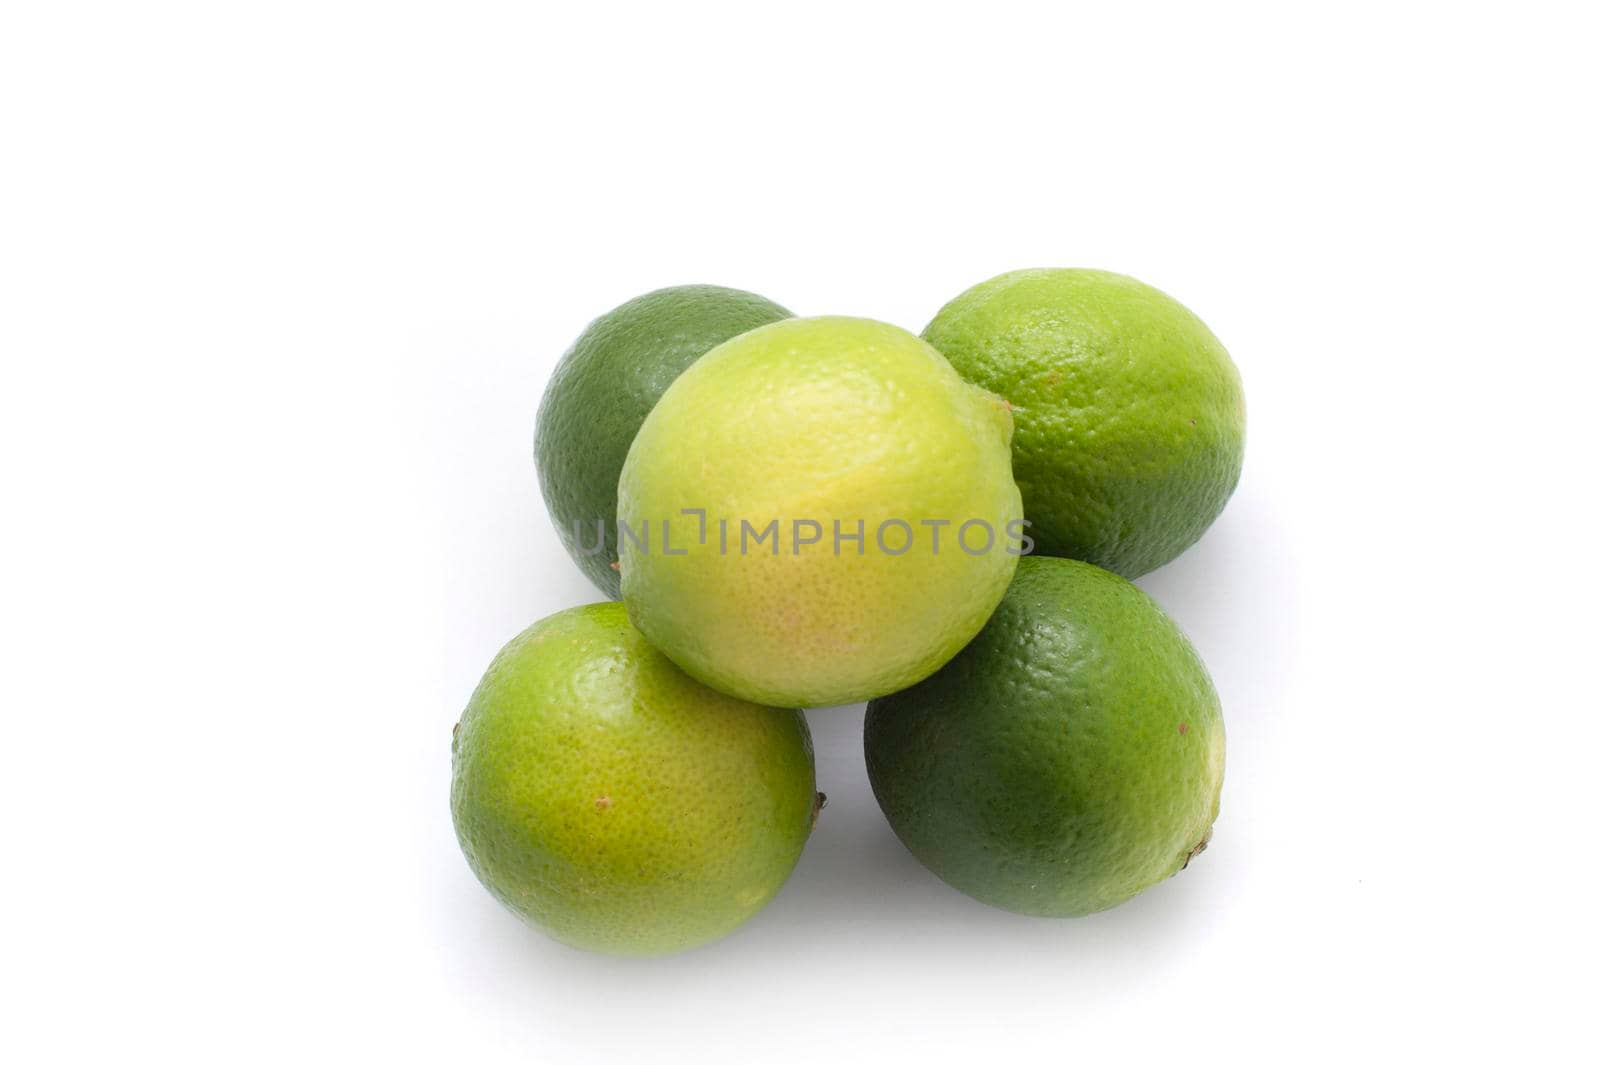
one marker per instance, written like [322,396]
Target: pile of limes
[805,512]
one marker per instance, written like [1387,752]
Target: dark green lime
[600,393]
[1068,758]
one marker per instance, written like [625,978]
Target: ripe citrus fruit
[605,797]
[1129,412]
[1066,760]
[601,390]
[832,513]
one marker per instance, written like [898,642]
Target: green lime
[618,805]
[1129,412]
[824,510]
[1066,760]
[601,391]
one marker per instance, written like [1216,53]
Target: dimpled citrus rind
[600,392]
[1129,413]
[608,799]
[853,425]
[1066,760]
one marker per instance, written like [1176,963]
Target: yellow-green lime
[1129,412]
[1066,760]
[608,799]
[824,512]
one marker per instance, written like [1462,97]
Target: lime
[1066,760]
[603,796]
[1129,412]
[601,390]
[818,511]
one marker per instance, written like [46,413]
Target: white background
[280,286]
